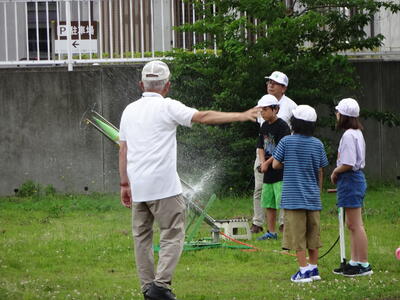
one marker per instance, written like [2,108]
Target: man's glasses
[271,82]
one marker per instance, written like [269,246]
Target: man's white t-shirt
[286,107]
[148,126]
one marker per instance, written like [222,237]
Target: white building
[388,24]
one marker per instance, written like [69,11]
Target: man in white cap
[277,84]
[149,180]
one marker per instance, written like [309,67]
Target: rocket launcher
[101,124]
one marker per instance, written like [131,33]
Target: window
[37,28]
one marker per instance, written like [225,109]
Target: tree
[254,38]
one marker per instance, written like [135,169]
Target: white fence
[70,32]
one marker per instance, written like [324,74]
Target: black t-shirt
[269,137]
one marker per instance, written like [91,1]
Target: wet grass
[80,247]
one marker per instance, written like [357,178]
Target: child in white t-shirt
[351,185]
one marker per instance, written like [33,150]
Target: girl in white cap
[351,185]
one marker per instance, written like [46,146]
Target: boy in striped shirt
[302,158]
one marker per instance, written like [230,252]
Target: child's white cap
[305,113]
[155,70]
[348,107]
[279,77]
[267,100]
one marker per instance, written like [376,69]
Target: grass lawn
[80,247]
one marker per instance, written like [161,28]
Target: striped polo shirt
[302,157]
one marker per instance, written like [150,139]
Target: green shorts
[271,195]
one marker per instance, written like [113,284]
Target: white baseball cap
[348,107]
[155,70]
[267,100]
[305,113]
[279,77]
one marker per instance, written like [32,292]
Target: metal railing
[71,32]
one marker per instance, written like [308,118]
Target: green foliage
[28,189]
[49,190]
[390,119]
[255,38]
[32,189]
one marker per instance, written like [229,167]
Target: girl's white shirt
[351,150]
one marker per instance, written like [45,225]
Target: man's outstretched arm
[218,117]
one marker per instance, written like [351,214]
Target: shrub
[49,190]
[28,189]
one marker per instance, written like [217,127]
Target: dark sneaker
[301,277]
[156,292]
[145,292]
[358,270]
[256,229]
[145,296]
[314,274]
[342,268]
[268,236]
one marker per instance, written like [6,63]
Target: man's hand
[126,198]
[251,114]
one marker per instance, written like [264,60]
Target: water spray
[93,118]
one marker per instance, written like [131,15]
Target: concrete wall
[41,135]
[42,138]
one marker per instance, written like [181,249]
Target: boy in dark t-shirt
[271,132]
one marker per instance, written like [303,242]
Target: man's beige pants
[169,213]
[259,215]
